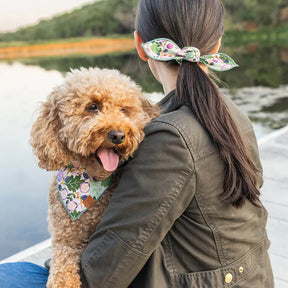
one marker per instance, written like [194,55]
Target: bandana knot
[163,49]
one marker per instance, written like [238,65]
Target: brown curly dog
[95,121]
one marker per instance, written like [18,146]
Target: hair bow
[163,49]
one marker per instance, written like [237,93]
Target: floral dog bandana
[77,191]
[163,49]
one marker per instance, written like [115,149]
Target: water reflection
[24,186]
[264,105]
[259,66]
[128,63]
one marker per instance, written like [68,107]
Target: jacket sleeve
[156,187]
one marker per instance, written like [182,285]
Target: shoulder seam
[181,133]
[195,156]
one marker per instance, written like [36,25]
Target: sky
[19,13]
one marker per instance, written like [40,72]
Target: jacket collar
[169,103]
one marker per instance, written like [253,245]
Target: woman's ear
[217,47]
[138,43]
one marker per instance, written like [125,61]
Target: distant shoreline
[94,46]
[124,42]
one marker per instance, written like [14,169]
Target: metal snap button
[241,269]
[228,278]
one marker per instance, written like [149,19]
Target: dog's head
[96,117]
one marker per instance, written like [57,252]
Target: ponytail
[202,28]
[196,90]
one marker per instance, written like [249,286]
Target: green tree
[264,12]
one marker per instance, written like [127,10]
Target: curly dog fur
[73,124]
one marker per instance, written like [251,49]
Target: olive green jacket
[165,225]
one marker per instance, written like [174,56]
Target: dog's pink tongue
[109,158]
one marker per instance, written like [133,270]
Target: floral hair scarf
[163,49]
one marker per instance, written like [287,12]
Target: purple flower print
[83,197]
[71,206]
[85,187]
[170,46]
[64,193]
[59,176]
[85,175]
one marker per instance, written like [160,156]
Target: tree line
[262,12]
[108,17]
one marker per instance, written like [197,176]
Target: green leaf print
[75,214]
[96,190]
[70,167]
[203,60]
[107,182]
[74,183]
[99,187]
[156,48]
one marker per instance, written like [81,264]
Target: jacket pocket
[227,277]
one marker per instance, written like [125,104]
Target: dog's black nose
[116,137]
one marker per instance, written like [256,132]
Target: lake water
[260,89]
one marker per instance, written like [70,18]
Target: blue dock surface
[274,157]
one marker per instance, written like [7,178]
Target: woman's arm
[155,189]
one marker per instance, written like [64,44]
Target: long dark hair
[199,23]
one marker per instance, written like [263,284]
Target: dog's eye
[93,108]
[124,110]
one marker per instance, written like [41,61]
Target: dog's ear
[152,110]
[50,150]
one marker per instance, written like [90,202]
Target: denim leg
[23,275]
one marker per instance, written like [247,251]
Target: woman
[187,211]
